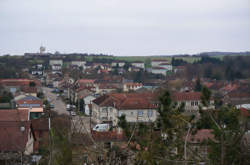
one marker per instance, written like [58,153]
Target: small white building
[55,62]
[131,86]
[192,100]
[56,67]
[167,66]
[159,70]
[78,63]
[37,72]
[118,63]
[138,64]
[156,63]
[137,107]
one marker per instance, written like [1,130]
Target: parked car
[72,113]
[68,107]
[101,127]
[52,106]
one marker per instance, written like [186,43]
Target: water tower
[42,49]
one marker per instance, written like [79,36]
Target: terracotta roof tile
[127,100]
[40,124]
[18,82]
[201,135]
[183,96]
[245,112]
[11,136]
[13,115]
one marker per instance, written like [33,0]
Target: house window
[196,103]
[119,114]
[104,110]
[140,113]
[150,113]
[192,103]
[110,110]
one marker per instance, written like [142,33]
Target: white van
[101,127]
[68,107]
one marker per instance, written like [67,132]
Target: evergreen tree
[228,132]
[198,85]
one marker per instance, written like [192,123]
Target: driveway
[60,106]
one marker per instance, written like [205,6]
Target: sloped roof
[107,86]
[40,124]
[29,103]
[18,82]
[11,136]
[28,89]
[13,115]
[201,135]
[239,95]
[85,81]
[245,112]
[165,63]
[184,96]
[158,68]
[127,101]
[133,84]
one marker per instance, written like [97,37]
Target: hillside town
[90,109]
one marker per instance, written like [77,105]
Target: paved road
[79,124]
[60,106]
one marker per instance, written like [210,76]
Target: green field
[143,58]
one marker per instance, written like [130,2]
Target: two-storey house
[137,107]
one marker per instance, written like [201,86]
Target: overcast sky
[124,27]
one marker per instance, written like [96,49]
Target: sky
[124,27]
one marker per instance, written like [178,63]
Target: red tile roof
[127,100]
[18,82]
[208,84]
[158,68]
[37,103]
[107,86]
[28,89]
[107,136]
[165,63]
[185,96]
[11,136]
[13,115]
[245,112]
[132,85]
[40,124]
[230,87]
[91,81]
[201,135]
[239,95]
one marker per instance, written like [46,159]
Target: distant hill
[214,54]
[224,54]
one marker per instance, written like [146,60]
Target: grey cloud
[131,27]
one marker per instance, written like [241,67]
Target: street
[79,124]
[60,106]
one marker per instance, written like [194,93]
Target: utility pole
[185,146]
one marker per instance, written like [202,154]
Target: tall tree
[198,85]
[228,131]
